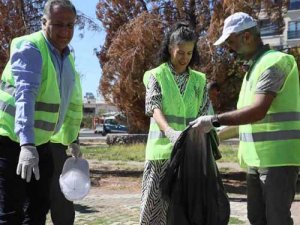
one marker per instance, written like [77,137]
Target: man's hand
[203,123]
[172,134]
[28,163]
[74,149]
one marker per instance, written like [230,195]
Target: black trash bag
[192,184]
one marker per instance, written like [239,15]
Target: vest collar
[248,65]
[185,73]
[66,51]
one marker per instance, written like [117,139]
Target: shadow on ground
[235,182]
[84,209]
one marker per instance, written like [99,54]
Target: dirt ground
[116,184]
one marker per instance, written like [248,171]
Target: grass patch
[229,153]
[136,152]
[234,220]
[99,221]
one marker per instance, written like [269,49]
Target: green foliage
[234,220]
[87,121]
[229,153]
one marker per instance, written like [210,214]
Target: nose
[186,57]
[66,31]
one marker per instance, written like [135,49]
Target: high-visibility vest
[274,140]
[47,100]
[178,110]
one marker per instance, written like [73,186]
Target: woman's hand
[172,134]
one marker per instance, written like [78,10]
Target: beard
[239,57]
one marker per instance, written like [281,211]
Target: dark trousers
[22,202]
[270,193]
[62,210]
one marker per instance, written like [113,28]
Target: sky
[86,61]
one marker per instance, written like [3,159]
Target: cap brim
[222,39]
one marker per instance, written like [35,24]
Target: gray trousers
[62,210]
[270,193]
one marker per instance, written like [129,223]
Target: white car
[99,129]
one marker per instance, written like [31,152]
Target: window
[294,4]
[294,30]
[268,28]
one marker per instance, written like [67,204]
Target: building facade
[95,107]
[290,37]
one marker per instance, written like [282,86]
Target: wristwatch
[215,121]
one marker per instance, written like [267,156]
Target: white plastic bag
[74,180]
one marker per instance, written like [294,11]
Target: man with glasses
[40,104]
[268,112]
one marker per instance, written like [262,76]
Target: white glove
[28,163]
[74,149]
[172,134]
[203,123]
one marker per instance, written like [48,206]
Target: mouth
[182,63]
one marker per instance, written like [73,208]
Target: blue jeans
[22,202]
[270,193]
[62,210]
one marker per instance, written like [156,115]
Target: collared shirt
[26,63]
[272,79]
[154,95]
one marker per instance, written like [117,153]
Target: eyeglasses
[62,26]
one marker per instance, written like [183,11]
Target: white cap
[235,23]
[74,180]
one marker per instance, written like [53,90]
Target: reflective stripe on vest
[39,106]
[9,109]
[44,125]
[175,119]
[270,136]
[274,135]
[46,107]
[280,117]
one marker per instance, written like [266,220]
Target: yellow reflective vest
[275,140]
[47,99]
[178,110]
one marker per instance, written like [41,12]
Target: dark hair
[63,3]
[213,85]
[180,32]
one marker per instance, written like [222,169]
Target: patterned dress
[153,207]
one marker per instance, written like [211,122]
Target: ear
[44,21]
[248,36]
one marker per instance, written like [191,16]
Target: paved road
[88,135]
[104,208]
[116,200]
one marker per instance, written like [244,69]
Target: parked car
[110,125]
[99,129]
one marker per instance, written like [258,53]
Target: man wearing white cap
[268,115]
